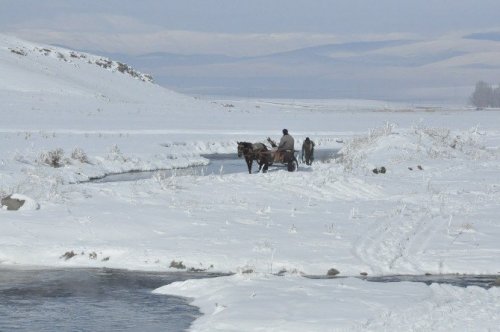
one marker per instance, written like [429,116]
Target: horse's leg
[265,162]
[249,164]
[259,161]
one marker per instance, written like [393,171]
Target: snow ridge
[24,49]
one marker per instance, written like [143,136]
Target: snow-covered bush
[354,151]
[52,158]
[165,182]
[80,155]
[39,184]
[115,154]
[442,143]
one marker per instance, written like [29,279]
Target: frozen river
[228,163]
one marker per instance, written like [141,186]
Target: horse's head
[240,149]
[244,148]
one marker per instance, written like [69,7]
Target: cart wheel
[293,165]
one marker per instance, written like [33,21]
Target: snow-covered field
[435,210]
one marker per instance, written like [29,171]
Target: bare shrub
[177,265]
[332,272]
[68,255]
[104,63]
[247,271]
[19,51]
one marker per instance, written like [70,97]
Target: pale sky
[270,16]
[242,29]
[70,21]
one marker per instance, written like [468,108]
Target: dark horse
[257,151]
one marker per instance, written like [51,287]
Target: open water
[92,300]
[122,300]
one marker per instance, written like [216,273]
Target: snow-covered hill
[42,56]
[59,88]
[29,67]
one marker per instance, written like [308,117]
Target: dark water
[121,300]
[459,280]
[92,300]
[219,164]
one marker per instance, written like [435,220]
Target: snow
[298,304]
[435,210]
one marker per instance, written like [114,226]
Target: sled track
[396,239]
[444,308]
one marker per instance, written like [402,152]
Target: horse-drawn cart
[266,157]
[286,158]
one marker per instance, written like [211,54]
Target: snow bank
[291,303]
[391,147]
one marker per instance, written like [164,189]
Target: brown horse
[255,151]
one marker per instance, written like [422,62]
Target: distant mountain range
[435,70]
